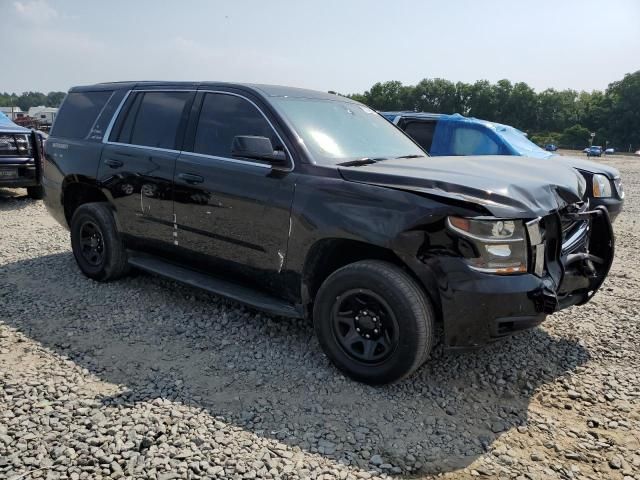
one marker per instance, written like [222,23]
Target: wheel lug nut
[375,330]
[357,318]
[367,335]
[357,329]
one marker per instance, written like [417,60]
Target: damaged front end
[572,253]
[568,255]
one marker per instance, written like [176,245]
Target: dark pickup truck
[19,157]
[306,204]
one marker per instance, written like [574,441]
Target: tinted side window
[222,118]
[78,114]
[421,132]
[471,141]
[153,119]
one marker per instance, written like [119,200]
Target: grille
[574,229]
[14,145]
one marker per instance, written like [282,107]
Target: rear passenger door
[138,161]
[232,214]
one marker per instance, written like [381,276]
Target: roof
[261,89]
[11,109]
[456,117]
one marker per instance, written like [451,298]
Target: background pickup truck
[19,149]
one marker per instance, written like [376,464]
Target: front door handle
[190,178]
[113,163]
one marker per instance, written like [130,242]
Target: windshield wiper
[360,161]
[411,156]
[369,160]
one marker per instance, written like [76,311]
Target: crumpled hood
[507,186]
[586,165]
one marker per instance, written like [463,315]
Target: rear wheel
[97,247]
[374,321]
[36,192]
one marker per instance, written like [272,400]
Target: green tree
[54,99]
[622,99]
[482,100]
[436,95]
[575,136]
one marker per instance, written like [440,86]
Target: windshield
[335,131]
[519,142]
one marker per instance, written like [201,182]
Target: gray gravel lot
[145,378]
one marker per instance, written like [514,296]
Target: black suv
[306,204]
[20,159]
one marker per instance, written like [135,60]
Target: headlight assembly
[500,245]
[601,186]
[618,183]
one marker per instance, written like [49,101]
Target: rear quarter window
[78,114]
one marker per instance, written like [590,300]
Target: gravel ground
[145,378]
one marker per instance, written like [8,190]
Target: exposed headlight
[500,245]
[601,186]
[618,183]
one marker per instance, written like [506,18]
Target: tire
[36,192]
[97,246]
[361,296]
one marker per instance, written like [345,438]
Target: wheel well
[329,255]
[77,194]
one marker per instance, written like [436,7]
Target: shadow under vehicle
[159,340]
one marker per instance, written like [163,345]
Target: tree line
[31,99]
[562,117]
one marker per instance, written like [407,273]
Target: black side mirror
[260,148]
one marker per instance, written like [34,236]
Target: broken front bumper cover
[585,258]
[478,308]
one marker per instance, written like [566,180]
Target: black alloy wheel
[97,245]
[364,326]
[374,321]
[92,243]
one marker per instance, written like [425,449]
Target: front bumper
[26,175]
[612,204]
[478,308]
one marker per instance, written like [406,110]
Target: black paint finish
[281,229]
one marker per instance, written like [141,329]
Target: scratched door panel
[237,213]
[140,183]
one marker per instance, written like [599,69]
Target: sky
[340,45]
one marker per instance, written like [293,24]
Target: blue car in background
[453,135]
[594,151]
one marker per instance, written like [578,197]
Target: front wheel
[374,321]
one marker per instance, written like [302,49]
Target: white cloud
[35,11]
